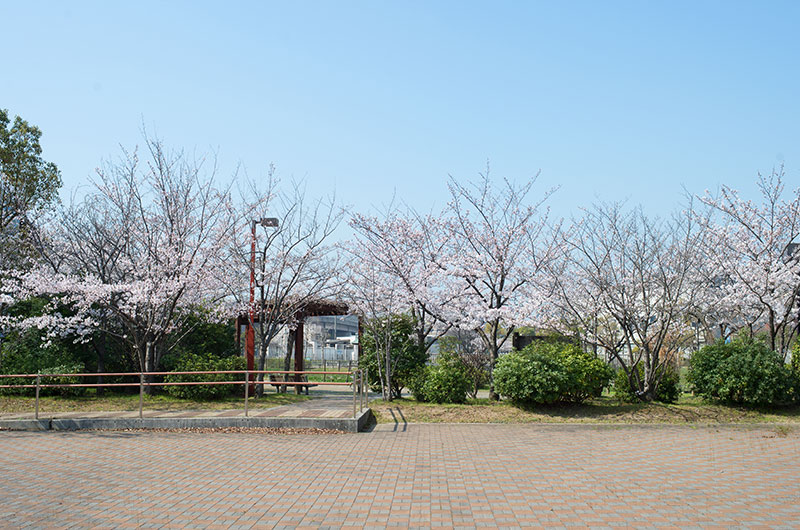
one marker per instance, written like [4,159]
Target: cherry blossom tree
[410,247]
[754,259]
[498,248]
[627,283]
[142,247]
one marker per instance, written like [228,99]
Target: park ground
[687,410]
[406,475]
[606,409]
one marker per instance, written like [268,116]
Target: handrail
[360,392]
[212,372]
[177,383]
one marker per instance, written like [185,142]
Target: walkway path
[324,405]
[405,475]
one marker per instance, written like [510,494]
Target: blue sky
[610,100]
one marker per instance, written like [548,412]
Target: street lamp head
[269,222]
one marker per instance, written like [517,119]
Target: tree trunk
[287,360]
[772,332]
[388,371]
[380,371]
[100,348]
[494,349]
[493,395]
[149,366]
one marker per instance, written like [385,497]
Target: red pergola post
[298,355]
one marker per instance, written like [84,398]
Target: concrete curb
[74,424]
[25,425]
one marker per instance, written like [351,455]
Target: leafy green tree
[28,184]
[30,352]
[405,356]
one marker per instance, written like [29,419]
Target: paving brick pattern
[405,476]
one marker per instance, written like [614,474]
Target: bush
[29,353]
[668,391]
[444,382]
[529,377]
[587,375]
[199,363]
[550,372]
[474,359]
[416,383]
[63,380]
[205,338]
[744,372]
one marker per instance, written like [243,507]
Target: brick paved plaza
[425,475]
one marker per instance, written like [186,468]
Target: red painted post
[298,356]
[250,340]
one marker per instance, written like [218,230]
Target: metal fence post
[141,393]
[38,380]
[361,389]
[246,390]
[353,375]
[366,389]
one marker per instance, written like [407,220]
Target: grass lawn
[115,402]
[688,409]
[335,378]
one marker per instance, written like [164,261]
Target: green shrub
[199,363]
[205,338]
[63,380]
[586,374]
[744,372]
[416,383]
[446,385]
[30,352]
[474,360]
[668,391]
[530,377]
[444,382]
[550,372]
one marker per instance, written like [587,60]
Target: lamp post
[250,339]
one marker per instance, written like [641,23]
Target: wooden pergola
[312,308]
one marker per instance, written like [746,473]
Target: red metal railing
[357,381]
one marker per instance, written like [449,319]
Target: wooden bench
[277,383]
